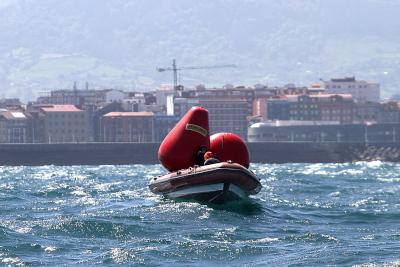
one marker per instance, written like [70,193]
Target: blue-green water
[305,215]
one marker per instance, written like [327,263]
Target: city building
[37,128]
[76,97]
[389,112]
[80,97]
[181,105]
[366,112]
[362,91]
[306,107]
[162,96]
[290,89]
[127,127]
[323,107]
[65,124]
[322,131]
[111,95]
[225,115]
[110,115]
[143,102]
[13,127]
[229,107]
[278,109]
[98,114]
[260,108]
[272,108]
[10,103]
[163,124]
[228,115]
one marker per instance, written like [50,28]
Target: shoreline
[146,153]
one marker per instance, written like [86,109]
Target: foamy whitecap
[127,194]
[6,187]
[361,202]
[334,194]
[23,230]
[349,172]
[260,240]
[395,263]
[148,248]
[80,177]
[50,249]
[231,229]
[119,255]
[266,240]
[204,216]
[12,261]
[329,237]
[79,193]
[313,168]
[44,176]
[87,200]
[105,186]
[368,237]
[375,164]
[389,179]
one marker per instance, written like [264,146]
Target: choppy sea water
[305,215]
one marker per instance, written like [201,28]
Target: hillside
[46,44]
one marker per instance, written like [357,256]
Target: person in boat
[199,160]
[209,158]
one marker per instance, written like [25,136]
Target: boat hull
[213,193]
[215,183]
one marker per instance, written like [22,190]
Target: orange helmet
[208,155]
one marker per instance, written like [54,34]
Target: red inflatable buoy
[180,146]
[229,146]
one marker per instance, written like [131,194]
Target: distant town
[334,110]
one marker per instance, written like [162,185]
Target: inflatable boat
[215,183]
[180,152]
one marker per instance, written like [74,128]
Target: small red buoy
[229,146]
[180,146]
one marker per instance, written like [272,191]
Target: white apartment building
[362,91]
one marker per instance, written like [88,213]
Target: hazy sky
[49,44]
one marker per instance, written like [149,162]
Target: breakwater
[146,153]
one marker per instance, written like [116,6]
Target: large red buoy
[180,146]
[229,146]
